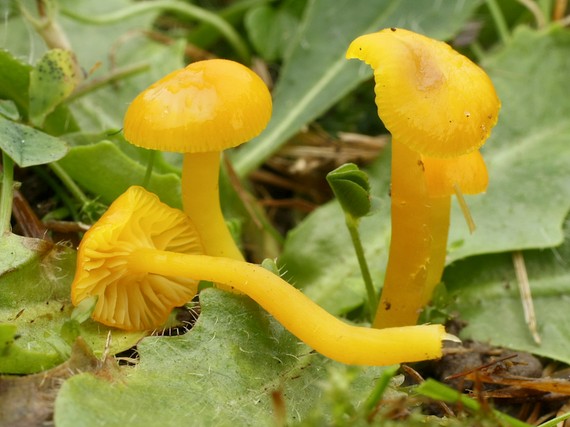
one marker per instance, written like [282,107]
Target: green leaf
[315,74]
[35,304]
[104,170]
[22,360]
[528,154]
[270,29]
[524,207]
[222,372]
[15,80]
[351,188]
[486,294]
[52,80]
[28,146]
[438,391]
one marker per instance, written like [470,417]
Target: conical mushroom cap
[133,300]
[208,106]
[431,98]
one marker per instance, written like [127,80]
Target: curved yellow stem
[201,202]
[418,244]
[302,317]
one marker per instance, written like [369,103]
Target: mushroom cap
[431,98]
[208,106]
[129,300]
[468,172]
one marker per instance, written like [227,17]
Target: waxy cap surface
[208,106]
[431,98]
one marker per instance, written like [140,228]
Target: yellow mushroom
[128,300]
[205,108]
[440,108]
[116,260]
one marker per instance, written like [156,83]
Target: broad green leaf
[485,293]
[528,154]
[51,81]
[35,304]
[14,86]
[222,372]
[105,171]
[28,146]
[16,359]
[315,74]
[17,251]
[528,158]
[14,79]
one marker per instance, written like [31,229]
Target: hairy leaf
[223,372]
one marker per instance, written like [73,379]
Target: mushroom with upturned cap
[128,300]
[201,110]
[114,263]
[440,108]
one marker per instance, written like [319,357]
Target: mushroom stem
[201,202]
[302,317]
[418,245]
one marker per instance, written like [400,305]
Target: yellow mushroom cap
[127,300]
[431,98]
[208,106]
[468,172]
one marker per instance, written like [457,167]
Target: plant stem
[554,422]
[499,20]
[69,183]
[380,388]
[149,167]
[7,193]
[352,225]
[113,76]
[46,26]
[186,9]
[59,191]
[464,208]
[309,322]
[559,9]
[526,295]
[535,9]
